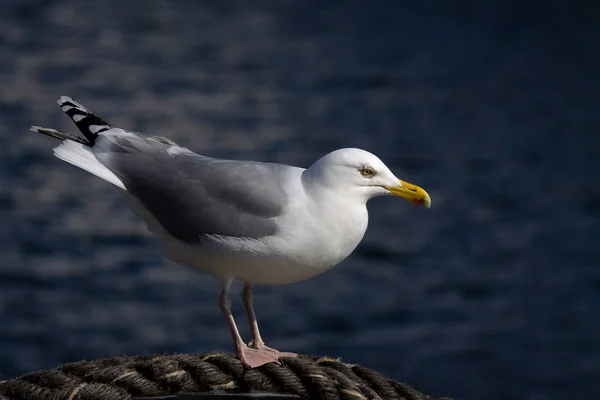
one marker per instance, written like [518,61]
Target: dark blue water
[493,107]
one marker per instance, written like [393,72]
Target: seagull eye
[367,172]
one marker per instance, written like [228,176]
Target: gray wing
[192,196]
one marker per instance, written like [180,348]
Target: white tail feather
[83,157]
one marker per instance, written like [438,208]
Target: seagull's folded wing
[192,196]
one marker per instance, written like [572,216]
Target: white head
[355,172]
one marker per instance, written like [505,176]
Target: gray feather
[192,196]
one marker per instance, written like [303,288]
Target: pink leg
[257,342]
[250,357]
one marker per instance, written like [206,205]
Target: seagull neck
[314,183]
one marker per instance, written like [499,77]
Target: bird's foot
[253,358]
[276,353]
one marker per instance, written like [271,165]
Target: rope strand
[123,378]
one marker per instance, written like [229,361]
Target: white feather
[97,128]
[83,157]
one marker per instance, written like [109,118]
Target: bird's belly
[250,266]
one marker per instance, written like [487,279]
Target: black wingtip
[89,124]
[59,135]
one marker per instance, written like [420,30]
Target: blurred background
[493,293]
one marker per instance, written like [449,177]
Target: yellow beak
[410,192]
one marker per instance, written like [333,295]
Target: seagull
[262,223]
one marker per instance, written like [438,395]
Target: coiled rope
[124,378]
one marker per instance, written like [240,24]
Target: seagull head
[358,172]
